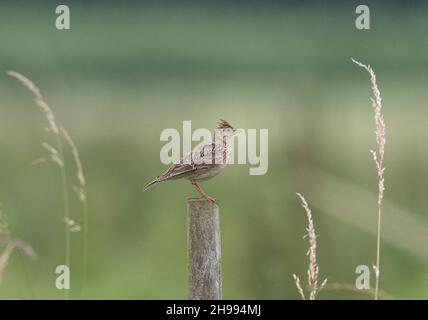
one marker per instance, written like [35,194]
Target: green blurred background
[124,72]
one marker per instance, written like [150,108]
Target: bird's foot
[202,193]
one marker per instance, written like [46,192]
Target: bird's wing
[203,155]
[180,170]
[176,171]
[201,158]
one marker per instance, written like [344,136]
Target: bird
[202,163]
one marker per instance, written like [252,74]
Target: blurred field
[126,72]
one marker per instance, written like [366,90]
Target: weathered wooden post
[204,250]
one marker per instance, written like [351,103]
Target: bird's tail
[152,184]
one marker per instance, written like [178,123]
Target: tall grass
[56,155]
[80,190]
[313,268]
[378,157]
[11,244]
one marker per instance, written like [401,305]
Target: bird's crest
[223,124]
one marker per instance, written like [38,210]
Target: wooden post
[204,250]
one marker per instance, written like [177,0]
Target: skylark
[204,162]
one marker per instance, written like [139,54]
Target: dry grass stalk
[38,99]
[299,287]
[56,155]
[313,269]
[53,153]
[81,194]
[4,258]
[18,244]
[11,244]
[378,157]
[4,233]
[81,189]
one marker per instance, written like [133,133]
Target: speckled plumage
[203,162]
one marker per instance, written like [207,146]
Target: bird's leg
[202,193]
